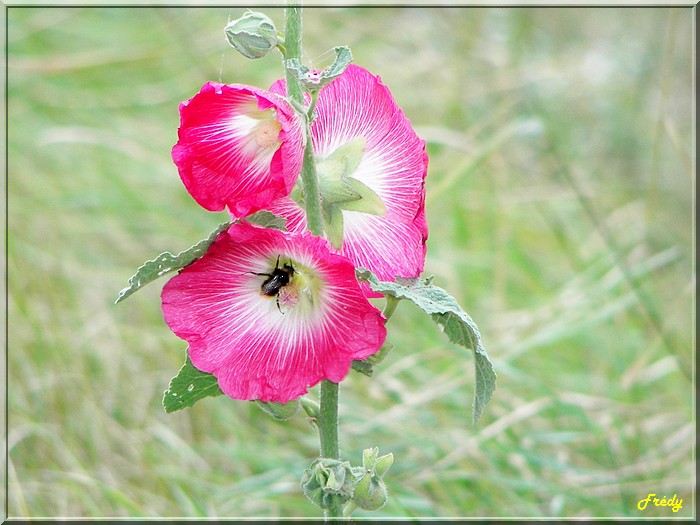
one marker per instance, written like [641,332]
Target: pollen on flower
[266,134]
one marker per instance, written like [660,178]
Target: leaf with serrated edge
[456,323]
[167,262]
[189,386]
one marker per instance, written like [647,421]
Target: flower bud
[328,481]
[383,463]
[370,492]
[280,411]
[253,35]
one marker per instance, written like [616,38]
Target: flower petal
[239,147]
[271,347]
[394,165]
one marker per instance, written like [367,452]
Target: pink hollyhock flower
[238,147]
[359,125]
[271,313]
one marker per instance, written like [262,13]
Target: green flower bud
[370,492]
[253,35]
[369,458]
[279,411]
[328,481]
[383,463]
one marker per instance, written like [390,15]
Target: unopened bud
[279,411]
[328,481]
[370,492]
[253,35]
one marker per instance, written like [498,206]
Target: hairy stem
[309,178]
[328,432]
[327,420]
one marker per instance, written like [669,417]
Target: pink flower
[271,313]
[239,147]
[357,117]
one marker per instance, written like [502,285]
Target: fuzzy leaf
[343,57]
[189,386]
[455,322]
[312,79]
[167,262]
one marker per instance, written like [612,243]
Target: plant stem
[309,181]
[327,420]
[309,178]
[390,306]
[328,432]
[292,45]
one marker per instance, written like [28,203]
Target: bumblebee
[279,278]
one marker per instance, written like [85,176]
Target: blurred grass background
[560,205]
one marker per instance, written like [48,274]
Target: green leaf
[267,219]
[313,80]
[166,263]
[189,386]
[343,57]
[455,322]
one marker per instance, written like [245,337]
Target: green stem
[292,46]
[309,181]
[328,432]
[390,306]
[309,178]
[327,420]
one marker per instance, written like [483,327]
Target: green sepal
[189,386]
[167,262]
[369,201]
[455,322]
[336,191]
[383,464]
[333,224]
[349,156]
[280,411]
[338,186]
[366,366]
[267,219]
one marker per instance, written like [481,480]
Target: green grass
[560,205]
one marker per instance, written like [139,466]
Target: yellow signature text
[675,503]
